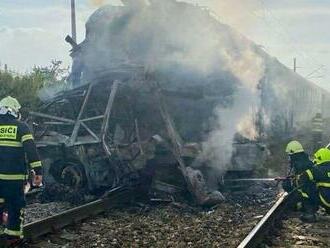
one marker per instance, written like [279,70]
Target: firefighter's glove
[37,180]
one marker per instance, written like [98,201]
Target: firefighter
[318,175]
[18,157]
[302,167]
[317,130]
[321,176]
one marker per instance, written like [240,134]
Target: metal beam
[92,118]
[105,125]
[73,21]
[57,123]
[108,109]
[75,131]
[52,117]
[90,132]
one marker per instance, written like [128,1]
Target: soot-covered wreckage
[117,133]
[153,83]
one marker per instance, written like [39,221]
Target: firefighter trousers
[307,199]
[311,202]
[12,201]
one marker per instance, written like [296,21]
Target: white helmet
[10,105]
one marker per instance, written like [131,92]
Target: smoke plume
[187,48]
[240,14]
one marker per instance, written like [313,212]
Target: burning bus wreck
[103,135]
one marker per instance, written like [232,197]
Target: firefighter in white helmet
[16,146]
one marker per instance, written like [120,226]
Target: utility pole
[73,21]
[295,64]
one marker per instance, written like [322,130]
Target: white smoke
[240,118]
[240,14]
[179,39]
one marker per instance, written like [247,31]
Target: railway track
[281,227]
[260,232]
[172,224]
[36,229]
[278,227]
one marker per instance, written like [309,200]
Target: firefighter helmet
[322,156]
[10,102]
[294,147]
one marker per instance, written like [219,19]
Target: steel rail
[259,232]
[54,223]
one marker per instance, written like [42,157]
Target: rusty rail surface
[259,232]
[56,222]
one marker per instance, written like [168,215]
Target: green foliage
[26,87]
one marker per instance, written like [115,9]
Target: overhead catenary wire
[284,33]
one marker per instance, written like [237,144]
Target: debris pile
[63,193]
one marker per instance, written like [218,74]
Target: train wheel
[73,175]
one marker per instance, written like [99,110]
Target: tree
[26,87]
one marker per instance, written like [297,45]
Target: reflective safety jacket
[17,147]
[319,175]
[306,186]
[300,163]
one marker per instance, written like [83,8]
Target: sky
[32,32]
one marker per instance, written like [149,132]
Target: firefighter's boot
[308,217]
